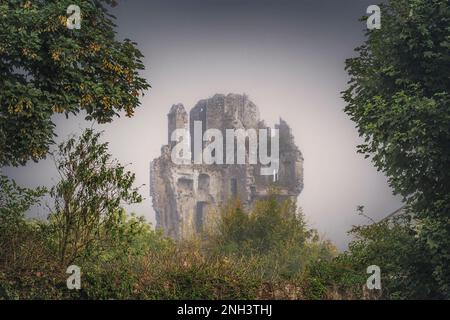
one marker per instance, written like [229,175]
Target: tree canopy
[47,68]
[92,189]
[399,98]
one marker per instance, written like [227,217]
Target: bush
[395,246]
[405,262]
[275,232]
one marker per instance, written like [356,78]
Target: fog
[287,56]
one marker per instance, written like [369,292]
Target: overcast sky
[287,56]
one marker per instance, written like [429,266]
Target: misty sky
[287,56]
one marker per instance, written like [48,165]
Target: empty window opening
[233,187]
[200,215]
[203,182]
[185,184]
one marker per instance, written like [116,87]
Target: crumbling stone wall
[186,197]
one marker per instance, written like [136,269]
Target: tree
[394,246]
[14,202]
[273,231]
[47,68]
[271,225]
[86,199]
[399,98]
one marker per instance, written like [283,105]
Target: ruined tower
[186,197]
[176,119]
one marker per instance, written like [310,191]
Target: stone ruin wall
[186,198]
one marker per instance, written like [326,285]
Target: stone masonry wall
[187,198]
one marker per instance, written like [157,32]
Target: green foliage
[120,256]
[395,246]
[14,230]
[266,252]
[46,68]
[132,261]
[405,261]
[269,226]
[275,232]
[25,262]
[333,279]
[185,271]
[14,201]
[91,190]
[399,99]
[114,267]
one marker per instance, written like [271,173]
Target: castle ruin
[186,197]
